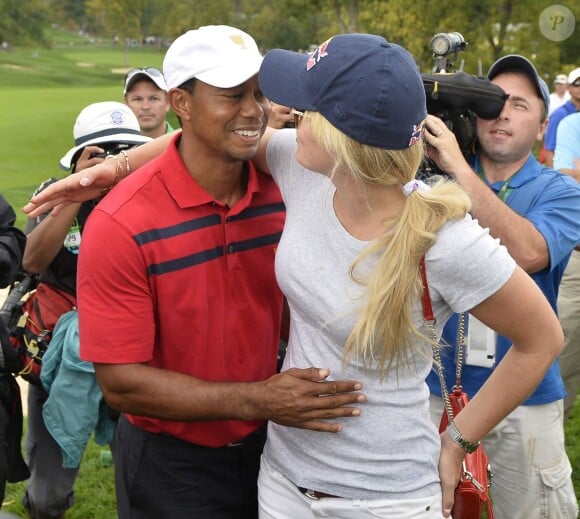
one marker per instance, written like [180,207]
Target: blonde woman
[357,226]
[348,263]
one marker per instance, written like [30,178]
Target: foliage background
[492,27]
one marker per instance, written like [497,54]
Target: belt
[314,494]
[577,248]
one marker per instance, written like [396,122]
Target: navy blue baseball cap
[368,88]
[515,62]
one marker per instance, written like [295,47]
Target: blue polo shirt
[567,142]
[550,138]
[551,202]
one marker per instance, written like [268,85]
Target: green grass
[94,489]
[43,90]
[572,430]
[38,133]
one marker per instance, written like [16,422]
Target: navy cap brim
[516,62]
[280,79]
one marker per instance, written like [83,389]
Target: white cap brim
[232,74]
[119,138]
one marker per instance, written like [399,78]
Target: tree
[492,28]
[346,13]
[121,19]
[23,22]
[69,13]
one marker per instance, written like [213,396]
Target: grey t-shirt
[392,449]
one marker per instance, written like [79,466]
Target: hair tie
[414,185]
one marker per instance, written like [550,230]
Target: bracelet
[118,168]
[458,438]
[127,168]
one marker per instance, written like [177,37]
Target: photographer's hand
[443,148]
[280,117]
[88,157]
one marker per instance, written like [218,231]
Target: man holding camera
[51,251]
[534,211]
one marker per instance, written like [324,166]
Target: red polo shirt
[169,277]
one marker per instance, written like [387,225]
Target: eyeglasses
[576,83]
[298,116]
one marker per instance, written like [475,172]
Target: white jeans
[531,471]
[279,498]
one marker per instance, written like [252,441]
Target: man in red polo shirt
[178,303]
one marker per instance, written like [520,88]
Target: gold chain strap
[437,357]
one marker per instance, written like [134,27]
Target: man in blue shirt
[567,152]
[569,107]
[567,160]
[534,211]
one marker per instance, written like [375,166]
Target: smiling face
[510,137]
[226,122]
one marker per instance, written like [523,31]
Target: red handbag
[472,491]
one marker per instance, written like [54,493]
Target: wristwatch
[456,436]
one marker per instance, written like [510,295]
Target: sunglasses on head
[298,116]
[152,71]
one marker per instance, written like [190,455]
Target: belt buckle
[311,494]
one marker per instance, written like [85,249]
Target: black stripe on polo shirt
[185,262]
[254,243]
[261,210]
[175,230]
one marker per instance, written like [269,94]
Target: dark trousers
[162,477]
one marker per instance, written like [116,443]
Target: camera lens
[445,42]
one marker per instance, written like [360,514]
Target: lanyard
[505,190]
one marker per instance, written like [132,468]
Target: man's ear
[180,101]
[542,130]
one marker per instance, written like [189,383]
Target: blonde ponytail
[384,329]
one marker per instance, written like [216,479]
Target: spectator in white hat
[569,107]
[560,94]
[145,92]
[51,251]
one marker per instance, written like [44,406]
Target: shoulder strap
[430,321]
[425,298]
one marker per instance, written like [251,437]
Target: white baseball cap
[151,73]
[574,75]
[100,123]
[218,55]
[561,79]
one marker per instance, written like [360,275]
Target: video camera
[456,97]
[111,149]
